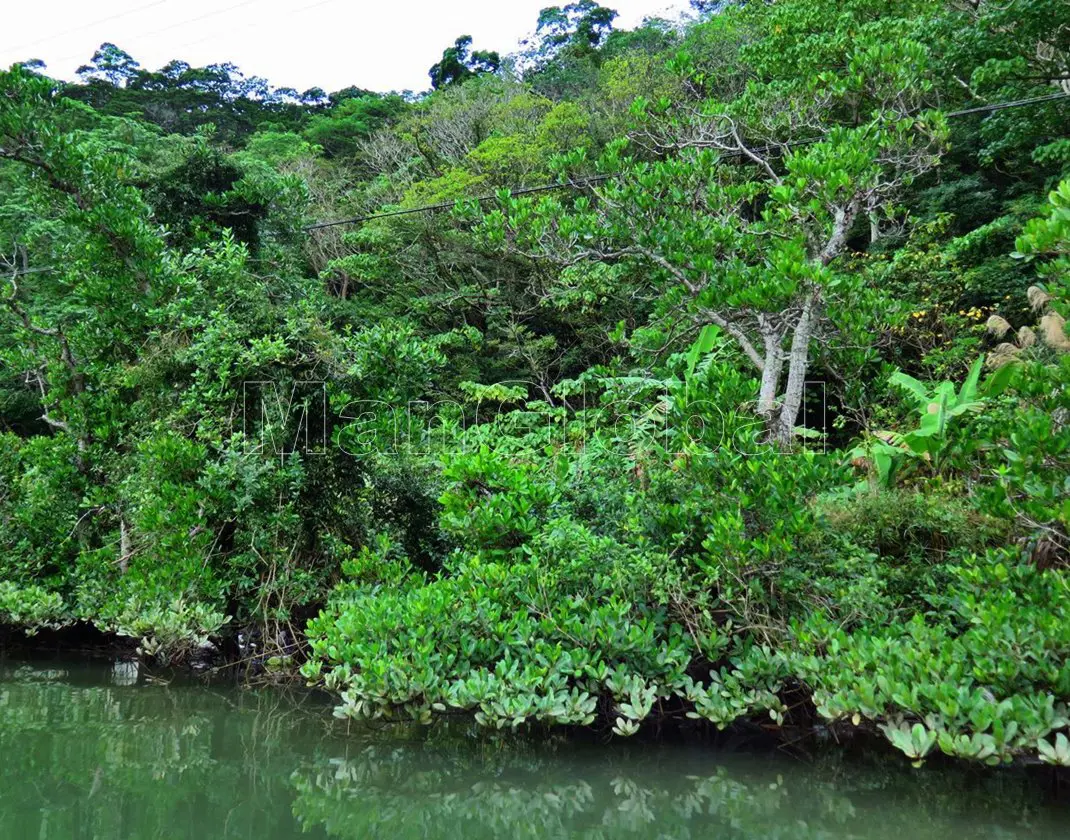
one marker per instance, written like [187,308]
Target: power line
[584,182]
[23,272]
[179,24]
[216,35]
[1002,106]
[447,205]
[205,16]
[80,27]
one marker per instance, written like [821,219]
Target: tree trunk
[797,364]
[124,546]
[771,371]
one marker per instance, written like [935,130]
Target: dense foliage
[763,414]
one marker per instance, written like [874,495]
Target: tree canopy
[460,62]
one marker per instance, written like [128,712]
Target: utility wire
[447,205]
[216,35]
[585,182]
[1002,106]
[81,26]
[205,16]
[178,24]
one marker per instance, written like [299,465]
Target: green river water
[97,751]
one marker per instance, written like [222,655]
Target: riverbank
[781,710]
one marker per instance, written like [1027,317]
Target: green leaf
[909,383]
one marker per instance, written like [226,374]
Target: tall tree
[739,226]
[460,62]
[581,26]
[111,65]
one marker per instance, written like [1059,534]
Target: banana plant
[937,405]
[706,341]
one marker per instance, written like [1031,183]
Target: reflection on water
[96,753]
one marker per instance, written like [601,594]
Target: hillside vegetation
[762,414]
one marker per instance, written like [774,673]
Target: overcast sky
[384,45]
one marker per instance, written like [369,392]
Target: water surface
[98,752]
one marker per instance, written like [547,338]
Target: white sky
[293,43]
